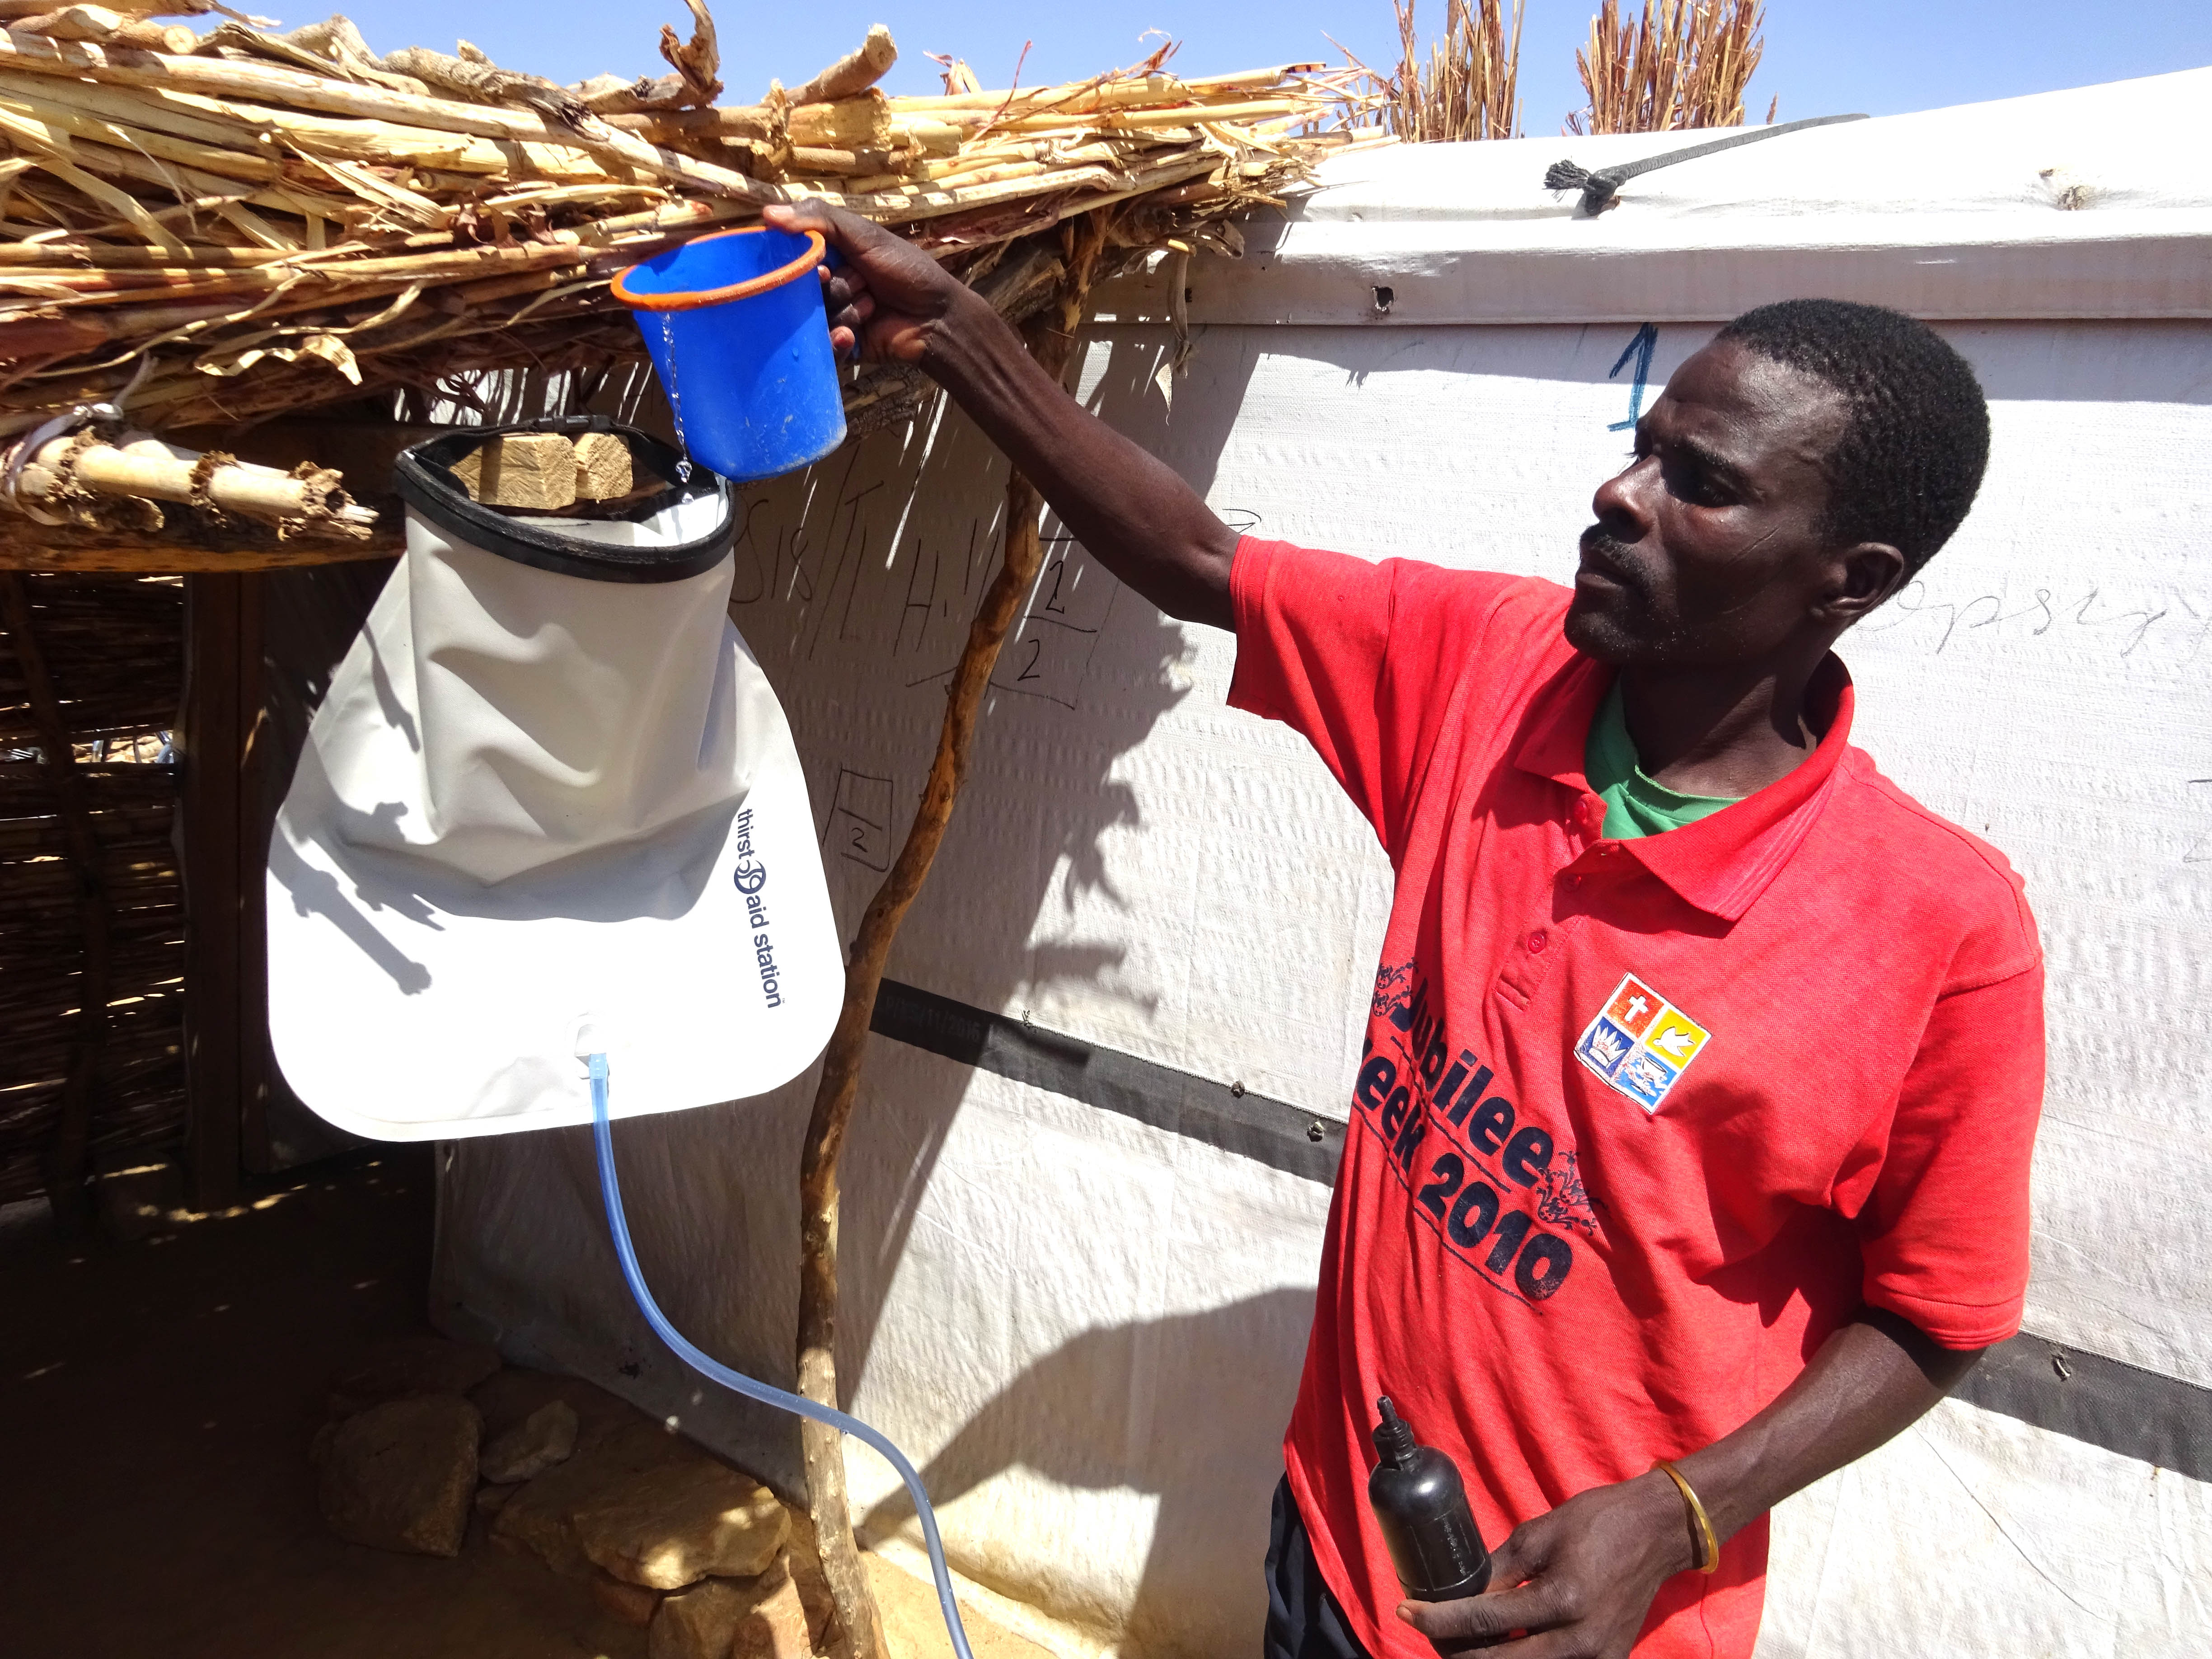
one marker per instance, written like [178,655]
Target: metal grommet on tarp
[550,789]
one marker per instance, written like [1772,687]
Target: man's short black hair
[1917,435]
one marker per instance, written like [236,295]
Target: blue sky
[1876,56]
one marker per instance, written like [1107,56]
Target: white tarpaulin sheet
[2071,204]
[1084,1317]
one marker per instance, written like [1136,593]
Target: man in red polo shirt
[1689,1148]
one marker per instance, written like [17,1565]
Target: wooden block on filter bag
[602,467]
[523,469]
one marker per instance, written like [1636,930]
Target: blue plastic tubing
[714,1370]
[736,328]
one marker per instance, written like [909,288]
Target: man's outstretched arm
[1579,1580]
[1130,510]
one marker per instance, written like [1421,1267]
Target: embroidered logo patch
[1641,1044]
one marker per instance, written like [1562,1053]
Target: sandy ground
[157,1402]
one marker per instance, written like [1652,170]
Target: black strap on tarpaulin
[1599,188]
[2157,1420]
[1225,1115]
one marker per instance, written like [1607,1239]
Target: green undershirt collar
[1634,804]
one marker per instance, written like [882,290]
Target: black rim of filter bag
[423,474]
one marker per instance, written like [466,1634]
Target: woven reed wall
[113,648]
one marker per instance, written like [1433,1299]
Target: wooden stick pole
[222,661]
[1051,342]
[63,1164]
[162,472]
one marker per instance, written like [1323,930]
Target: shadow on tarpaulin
[859,574]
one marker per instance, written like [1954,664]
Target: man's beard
[1620,627]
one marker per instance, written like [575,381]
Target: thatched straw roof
[241,225]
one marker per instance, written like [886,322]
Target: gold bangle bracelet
[1709,1546]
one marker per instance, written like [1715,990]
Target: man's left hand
[1573,1584]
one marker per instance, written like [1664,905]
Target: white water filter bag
[549,805]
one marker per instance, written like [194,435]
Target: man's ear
[1865,576]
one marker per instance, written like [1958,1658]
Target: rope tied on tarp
[1600,188]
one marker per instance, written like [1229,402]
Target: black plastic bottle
[1420,1503]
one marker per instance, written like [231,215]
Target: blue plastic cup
[736,328]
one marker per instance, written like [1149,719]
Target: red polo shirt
[1640,1122]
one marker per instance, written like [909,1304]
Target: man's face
[1706,550]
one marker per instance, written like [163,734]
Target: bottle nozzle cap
[1394,1441]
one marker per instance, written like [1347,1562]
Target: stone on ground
[410,1366]
[633,1604]
[702,1621]
[532,1446]
[540,1516]
[774,1627]
[668,1527]
[490,1500]
[400,1475]
[803,1561]
[508,1396]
